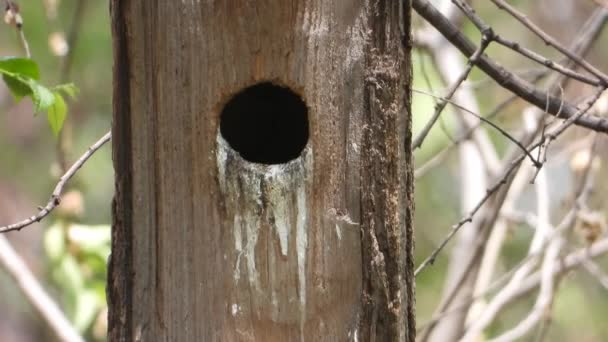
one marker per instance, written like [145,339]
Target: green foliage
[78,255]
[57,113]
[22,77]
[15,66]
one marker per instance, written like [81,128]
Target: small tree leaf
[18,87]
[19,67]
[42,97]
[68,89]
[56,113]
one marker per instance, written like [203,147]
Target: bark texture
[208,246]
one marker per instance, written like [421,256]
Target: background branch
[55,199]
[549,103]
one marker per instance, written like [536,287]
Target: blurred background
[68,250]
[581,305]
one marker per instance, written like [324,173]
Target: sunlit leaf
[56,113]
[17,66]
[42,97]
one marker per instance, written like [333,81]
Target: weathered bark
[208,246]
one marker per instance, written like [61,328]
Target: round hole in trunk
[266,124]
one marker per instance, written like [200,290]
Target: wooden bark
[208,246]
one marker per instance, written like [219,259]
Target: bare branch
[64,140]
[56,195]
[12,16]
[493,125]
[503,180]
[454,229]
[541,99]
[550,40]
[550,267]
[545,61]
[485,41]
[483,27]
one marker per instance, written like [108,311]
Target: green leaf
[21,75]
[68,89]
[42,97]
[19,88]
[56,113]
[16,66]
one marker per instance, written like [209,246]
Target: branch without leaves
[56,195]
[550,40]
[503,180]
[485,41]
[541,99]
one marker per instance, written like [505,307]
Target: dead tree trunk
[263,171]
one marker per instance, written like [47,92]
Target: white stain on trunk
[267,206]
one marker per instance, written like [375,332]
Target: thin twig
[503,180]
[546,62]
[537,246]
[482,26]
[466,303]
[488,218]
[478,162]
[26,46]
[583,42]
[503,77]
[589,33]
[454,229]
[573,260]
[485,41]
[490,123]
[12,16]
[441,155]
[429,85]
[56,195]
[64,139]
[550,40]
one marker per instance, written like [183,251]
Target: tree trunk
[263,171]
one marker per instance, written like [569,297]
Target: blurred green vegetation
[76,244]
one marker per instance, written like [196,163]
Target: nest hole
[266,124]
